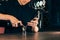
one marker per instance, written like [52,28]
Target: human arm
[14,21]
[33,23]
[4,16]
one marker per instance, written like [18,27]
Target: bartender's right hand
[14,21]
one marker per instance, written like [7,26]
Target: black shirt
[12,7]
[23,13]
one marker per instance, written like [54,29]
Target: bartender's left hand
[33,23]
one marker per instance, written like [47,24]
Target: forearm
[4,17]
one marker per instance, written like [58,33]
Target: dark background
[51,19]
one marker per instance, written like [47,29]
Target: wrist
[8,17]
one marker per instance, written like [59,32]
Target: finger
[13,24]
[16,24]
[29,24]
[32,24]
[35,22]
[20,23]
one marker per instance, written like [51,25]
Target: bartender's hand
[33,23]
[14,21]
